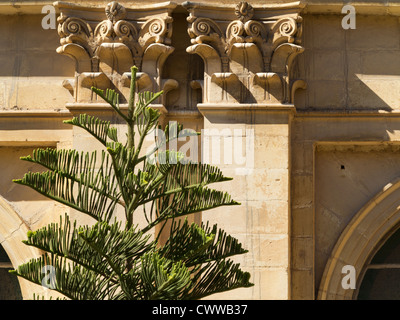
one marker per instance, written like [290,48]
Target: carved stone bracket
[106,42]
[256,44]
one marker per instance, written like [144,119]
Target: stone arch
[357,243]
[12,231]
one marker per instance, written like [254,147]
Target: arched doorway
[360,241]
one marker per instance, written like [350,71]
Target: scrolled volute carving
[209,31]
[104,32]
[125,31]
[256,30]
[202,27]
[235,33]
[286,29]
[156,30]
[115,29]
[251,32]
[204,30]
[259,45]
[72,29]
[112,41]
[121,31]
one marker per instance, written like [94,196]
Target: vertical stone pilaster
[250,143]
[248,92]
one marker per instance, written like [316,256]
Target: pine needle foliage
[114,259]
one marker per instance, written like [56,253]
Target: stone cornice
[262,10]
[377,7]
[332,114]
[106,108]
[244,107]
[23,7]
[248,111]
[34,114]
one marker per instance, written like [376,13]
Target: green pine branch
[197,245]
[99,129]
[82,196]
[121,260]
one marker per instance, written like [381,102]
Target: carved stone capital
[252,43]
[111,40]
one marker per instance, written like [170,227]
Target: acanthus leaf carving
[258,33]
[113,40]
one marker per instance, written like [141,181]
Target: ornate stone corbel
[257,44]
[109,41]
[92,79]
[167,86]
[229,82]
[143,81]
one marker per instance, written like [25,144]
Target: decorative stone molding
[106,42]
[248,51]
[13,231]
[360,240]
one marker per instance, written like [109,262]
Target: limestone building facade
[298,101]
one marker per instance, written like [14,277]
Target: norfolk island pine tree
[118,260]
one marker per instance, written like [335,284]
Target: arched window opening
[9,285]
[382,276]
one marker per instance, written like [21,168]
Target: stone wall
[318,103]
